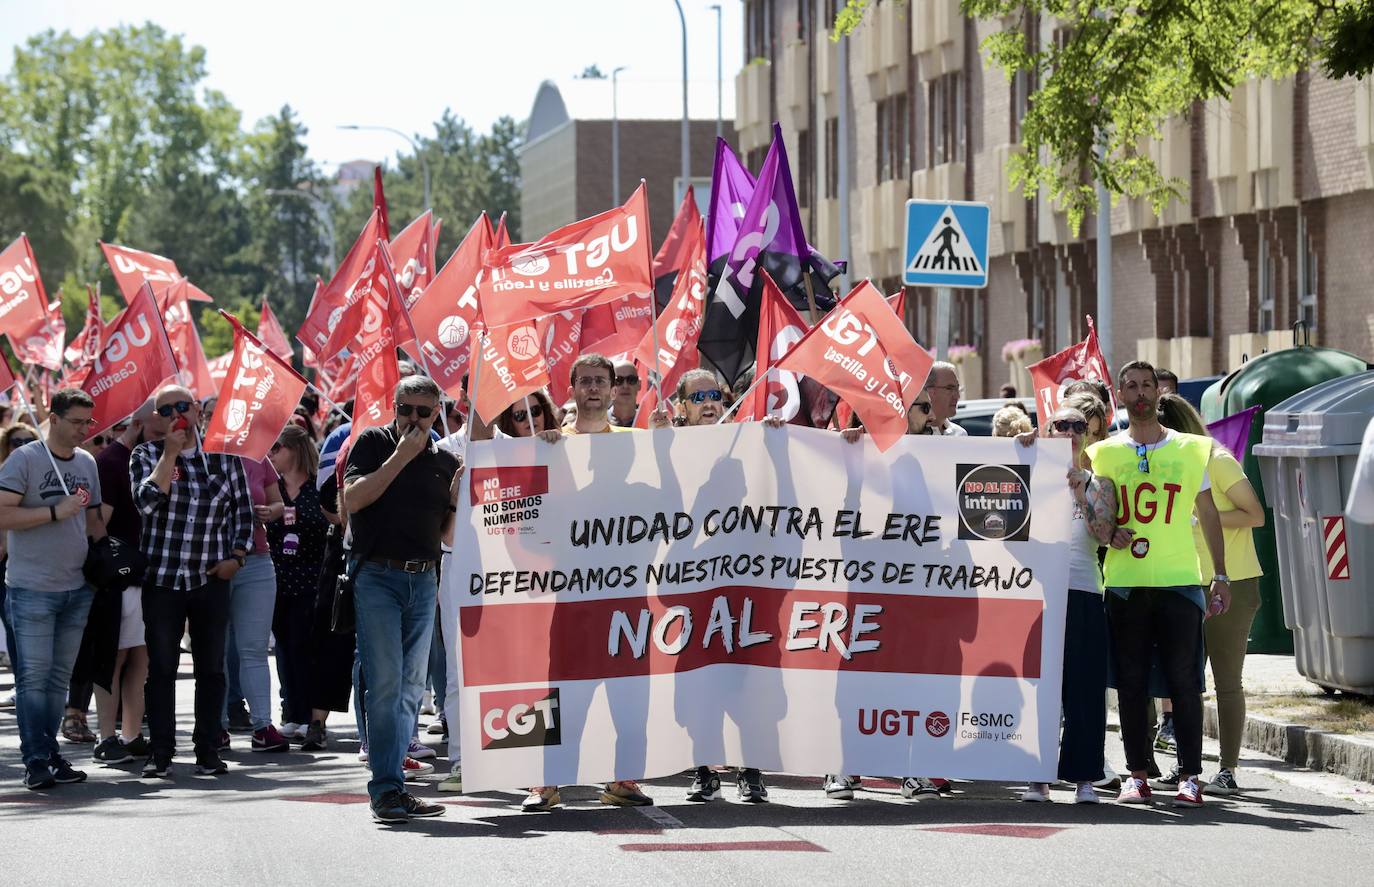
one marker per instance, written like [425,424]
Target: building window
[1020,103]
[894,138]
[758,29]
[1265,279]
[832,158]
[806,170]
[804,14]
[1038,312]
[946,115]
[1307,285]
[753,160]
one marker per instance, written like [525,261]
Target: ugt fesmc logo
[994,502]
[520,718]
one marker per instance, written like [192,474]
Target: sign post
[947,248]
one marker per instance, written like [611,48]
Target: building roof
[558,102]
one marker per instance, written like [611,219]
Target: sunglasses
[715,394]
[924,407]
[536,409]
[181,406]
[626,380]
[1077,426]
[406,409]
[1141,453]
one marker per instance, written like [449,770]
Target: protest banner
[632,605]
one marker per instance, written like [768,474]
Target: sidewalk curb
[1314,749]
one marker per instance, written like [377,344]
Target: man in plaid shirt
[197,526]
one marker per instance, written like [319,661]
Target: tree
[1124,67]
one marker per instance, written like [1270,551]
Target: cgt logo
[520,718]
[937,724]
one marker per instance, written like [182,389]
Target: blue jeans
[47,634]
[395,618]
[438,668]
[252,601]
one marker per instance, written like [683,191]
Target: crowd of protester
[241,559]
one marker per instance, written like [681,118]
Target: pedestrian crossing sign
[946,244]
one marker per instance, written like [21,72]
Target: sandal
[74,728]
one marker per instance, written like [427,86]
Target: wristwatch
[1222,577]
[240,558]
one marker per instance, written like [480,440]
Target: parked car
[975,416]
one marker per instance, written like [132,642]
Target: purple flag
[772,222]
[1233,432]
[732,187]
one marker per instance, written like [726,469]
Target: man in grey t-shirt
[47,594]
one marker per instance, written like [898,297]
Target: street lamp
[424,165]
[321,209]
[686,128]
[615,136]
[720,76]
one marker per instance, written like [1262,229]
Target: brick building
[1276,224]
[565,159]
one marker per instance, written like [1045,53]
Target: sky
[401,64]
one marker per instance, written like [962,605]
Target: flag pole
[473,417]
[810,292]
[739,400]
[653,312]
[23,399]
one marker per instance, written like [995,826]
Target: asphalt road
[292,818]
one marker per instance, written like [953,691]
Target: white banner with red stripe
[635,604]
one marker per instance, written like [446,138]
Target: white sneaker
[427,703]
[1037,793]
[839,786]
[919,786]
[288,729]
[419,751]
[1085,794]
[454,781]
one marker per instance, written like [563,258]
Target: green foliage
[113,136]
[1123,67]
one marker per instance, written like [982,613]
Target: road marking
[660,816]
[999,830]
[716,846]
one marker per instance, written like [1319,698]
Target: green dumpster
[1265,381]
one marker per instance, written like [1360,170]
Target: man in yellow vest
[1155,600]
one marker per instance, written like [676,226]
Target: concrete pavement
[298,816]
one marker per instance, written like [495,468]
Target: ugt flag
[136,360]
[589,262]
[256,398]
[863,353]
[1080,362]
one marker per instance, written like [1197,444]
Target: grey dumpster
[1326,563]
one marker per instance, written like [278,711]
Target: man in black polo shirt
[400,491]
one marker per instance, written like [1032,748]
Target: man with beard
[1155,598]
[701,397]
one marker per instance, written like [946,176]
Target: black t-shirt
[298,548]
[125,523]
[404,522]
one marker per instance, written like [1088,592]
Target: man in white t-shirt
[944,387]
[1361,505]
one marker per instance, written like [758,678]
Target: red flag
[86,345]
[378,369]
[219,367]
[677,247]
[133,267]
[181,332]
[271,334]
[374,287]
[136,360]
[1083,361]
[413,256]
[501,239]
[7,378]
[343,292]
[339,377]
[863,353]
[42,346]
[562,335]
[796,398]
[679,327]
[844,413]
[589,262]
[256,399]
[379,202]
[512,367]
[23,301]
[446,314]
[629,320]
